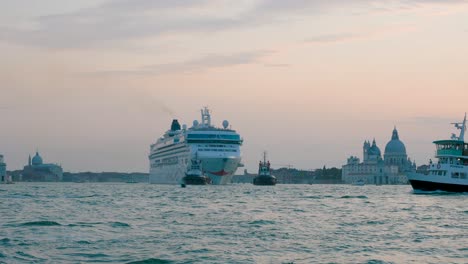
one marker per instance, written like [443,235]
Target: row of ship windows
[168,161]
[218,150]
[452,147]
[235,142]
[456,175]
[217,146]
[212,136]
[454,161]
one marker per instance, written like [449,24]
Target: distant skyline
[92,83]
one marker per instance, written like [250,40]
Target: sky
[91,84]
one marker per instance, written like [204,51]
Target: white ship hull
[219,169]
[422,182]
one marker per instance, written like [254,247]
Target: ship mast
[462,127]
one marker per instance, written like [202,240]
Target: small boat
[194,174]
[450,172]
[359,182]
[264,176]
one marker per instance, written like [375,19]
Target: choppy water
[121,223]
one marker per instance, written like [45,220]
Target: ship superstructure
[4,177]
[218,150]
[450,172]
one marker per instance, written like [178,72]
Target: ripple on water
[151,261]
[262,222]
[5,241]
[83,242]
[376,261]
[119,224]
[229,224]
[313,197]
[22,255]
[89,255]
[41,223]
[353,197]
[82,196]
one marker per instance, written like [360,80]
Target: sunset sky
[92,84]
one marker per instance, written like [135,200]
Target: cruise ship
[218,149]
[450,173]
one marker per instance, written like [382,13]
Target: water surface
[122,223]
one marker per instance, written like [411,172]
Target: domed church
[36,170]
[395,153]
[391,169]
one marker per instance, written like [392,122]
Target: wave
[353,196]
[41,223]
[85,224]
[89,255]
[29,256]
[375,222]
[82,196]
[376,261]
[262,222]
[151,261]
[313,197]
[20,195]
[84,242]
[119,224]
[439,192]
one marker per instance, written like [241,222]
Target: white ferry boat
[450,173]
[218,149]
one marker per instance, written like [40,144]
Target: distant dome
[374,150]
[37,160]
[395,146]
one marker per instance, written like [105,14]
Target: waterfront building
[391,169]
[36,170]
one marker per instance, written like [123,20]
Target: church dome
[37,160]
[395,146]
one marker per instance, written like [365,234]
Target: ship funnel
[175,125]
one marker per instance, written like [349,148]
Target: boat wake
[438,192]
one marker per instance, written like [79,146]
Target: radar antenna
[206,117]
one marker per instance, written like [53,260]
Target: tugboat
[264,173]
[194,174]
[450,173]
